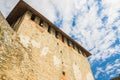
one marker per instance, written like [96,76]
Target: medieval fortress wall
[31,52]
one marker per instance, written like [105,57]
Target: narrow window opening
[33,17]
[78,50]
[56,34]
[60,51]
[41,23]
[63,73]
[49,29]
[62,38]
[73,45]
[68,42]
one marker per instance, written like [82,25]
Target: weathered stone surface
[14,58]
[32,53]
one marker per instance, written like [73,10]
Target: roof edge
[21,7]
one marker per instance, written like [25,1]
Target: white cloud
[111,10]
[109,69]
[44,7]
[99,70]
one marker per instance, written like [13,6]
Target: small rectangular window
[62,38]
[56,34]
[78,51]
[41,23]
[73,45]
[33,17]
[68,42]
[49,28]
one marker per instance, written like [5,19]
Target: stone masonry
[29,52]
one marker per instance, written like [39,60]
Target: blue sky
[95,24]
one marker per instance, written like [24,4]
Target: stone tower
[38,50]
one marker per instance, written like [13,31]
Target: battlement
[22,7]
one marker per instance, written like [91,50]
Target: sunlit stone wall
[32,52]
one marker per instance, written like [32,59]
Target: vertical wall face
[15,59]
[55,59]
[35,54]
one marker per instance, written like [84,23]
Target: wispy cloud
[109,69]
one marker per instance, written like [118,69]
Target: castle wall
[34,52]
[53,52]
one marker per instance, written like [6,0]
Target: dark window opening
[63,73]
[62,38]
[73,45]
[57,43]
[49,29]
[68,42]
[78,49]
[33,17]
[56,34]
[41,23]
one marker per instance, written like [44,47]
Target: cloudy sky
[95,24]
